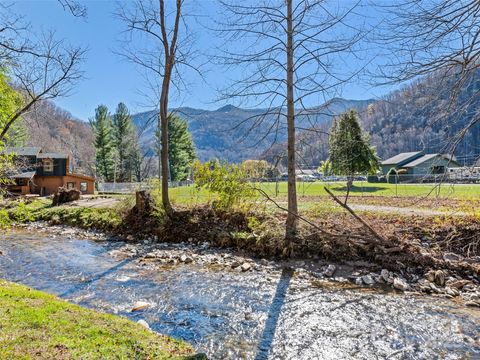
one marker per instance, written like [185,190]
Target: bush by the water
[228,182]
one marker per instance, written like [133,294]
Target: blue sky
[110,79]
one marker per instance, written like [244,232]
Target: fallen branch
[323,231]
[363,222]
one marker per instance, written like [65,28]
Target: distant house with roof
[418,164]
[42,173]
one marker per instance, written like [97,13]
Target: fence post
[396,186]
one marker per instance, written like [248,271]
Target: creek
[266,313]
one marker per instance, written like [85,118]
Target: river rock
[140,305]
[430,276]
[330,270]
[358,281]
[400,284]
[474,297]
[457,284]
[246,266]
[440,278]
[452,291]
[435,289]
[385,275]
[368,280]
[144,324]
[452,257]
[186,259]
[472,303]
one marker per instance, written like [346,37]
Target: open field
[452,191]
[41,326]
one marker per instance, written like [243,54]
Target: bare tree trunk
[292,219]
[267,34]
[170,54]
[167,206]
[159,58]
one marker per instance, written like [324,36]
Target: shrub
[5,221]
[227,182]
[22,213]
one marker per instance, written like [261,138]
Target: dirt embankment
[413,242]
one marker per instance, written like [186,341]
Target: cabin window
[70,185]
[438,169]
[83,186]
[47,165]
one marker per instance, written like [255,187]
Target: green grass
[458,191]
[107,219]
[40,209]
[36,325]
[189,195]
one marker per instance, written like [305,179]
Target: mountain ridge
[224,133]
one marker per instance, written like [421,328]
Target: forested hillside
[421,116]
[236,134]
[413,118]
[55,129]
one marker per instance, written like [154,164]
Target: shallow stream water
[244,315]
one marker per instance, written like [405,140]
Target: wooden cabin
[42,173]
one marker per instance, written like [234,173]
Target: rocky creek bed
[232,306]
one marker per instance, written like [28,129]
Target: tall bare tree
[76,8]
[293,54]
[156,31]
[40,68]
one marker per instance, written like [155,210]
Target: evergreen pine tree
[104,143]
[349,148]
[181,149]
[126,143]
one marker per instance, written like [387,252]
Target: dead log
[143,203]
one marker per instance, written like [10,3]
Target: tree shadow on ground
[268,334]
[96,277]
[359,189]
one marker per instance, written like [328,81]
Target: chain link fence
[400,185]
[128,188]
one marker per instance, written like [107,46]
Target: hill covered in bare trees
[235,134]
[425,115]
[55,129]
[420,116]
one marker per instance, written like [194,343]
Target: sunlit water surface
[244,315]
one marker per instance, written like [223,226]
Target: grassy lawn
[458,191]
[189,195]
[36,325]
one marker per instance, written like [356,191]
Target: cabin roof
[402,157]
[427,157]
[52,156]
[23,151]
[24,175]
